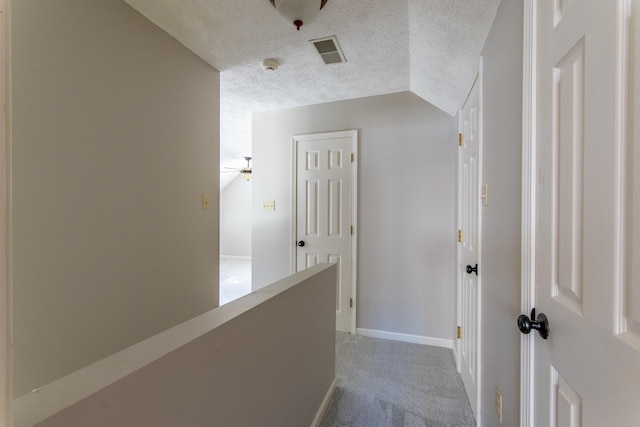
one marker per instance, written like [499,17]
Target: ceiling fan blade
[229,171]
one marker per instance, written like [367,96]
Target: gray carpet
[385,383]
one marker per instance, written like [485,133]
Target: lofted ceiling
[429,47]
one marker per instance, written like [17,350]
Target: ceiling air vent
[329,50]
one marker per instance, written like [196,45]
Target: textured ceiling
[427,46]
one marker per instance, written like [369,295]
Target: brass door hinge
[351,230]
[485,195]
[350,302]
[460,140]
[353,157]
[459,332]
[459,236]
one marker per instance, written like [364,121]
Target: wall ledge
[64,392]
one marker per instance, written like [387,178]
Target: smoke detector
[270,64]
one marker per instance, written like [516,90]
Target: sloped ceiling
[429,47]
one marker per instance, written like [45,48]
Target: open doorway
[235,239]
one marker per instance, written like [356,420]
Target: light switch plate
[268,205]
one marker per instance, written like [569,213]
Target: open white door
[587,258]
[469,235]
[325,212]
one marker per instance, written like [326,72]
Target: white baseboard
[415,339]
[235,256]
[455,358]
[325,404]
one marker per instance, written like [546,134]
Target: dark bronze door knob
[540,324]
[472,269]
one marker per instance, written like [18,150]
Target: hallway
[235,278]
[384,383]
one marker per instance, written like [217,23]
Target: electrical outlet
[499,404]
[268,205]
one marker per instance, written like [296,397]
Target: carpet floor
[235,278]
[384,383]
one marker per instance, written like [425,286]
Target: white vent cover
[329,50]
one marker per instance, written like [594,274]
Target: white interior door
[469,244]
[587,373]
[325,212]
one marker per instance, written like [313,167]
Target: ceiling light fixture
[245,173]
[298,11]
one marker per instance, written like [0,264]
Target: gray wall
[115,139]
[235,218]
[247,365]
[501,219]
[407,168]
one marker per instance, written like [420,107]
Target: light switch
[268,205]
[205,202]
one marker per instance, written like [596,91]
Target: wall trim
[397,336]
[235,256]
[66,392]
[6,371]
[527,295]
[324,405]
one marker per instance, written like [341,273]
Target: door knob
[540,324]
[301,243]
[472,269]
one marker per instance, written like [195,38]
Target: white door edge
[457,352]
[480,288]
[353,134]
[527,295]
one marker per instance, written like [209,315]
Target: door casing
[528,212]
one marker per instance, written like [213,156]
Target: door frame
[353,134]
[478,77]
[528,211]
[5,216]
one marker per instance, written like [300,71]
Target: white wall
[501,219]
[407,169]
[115,139]
[235,218]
